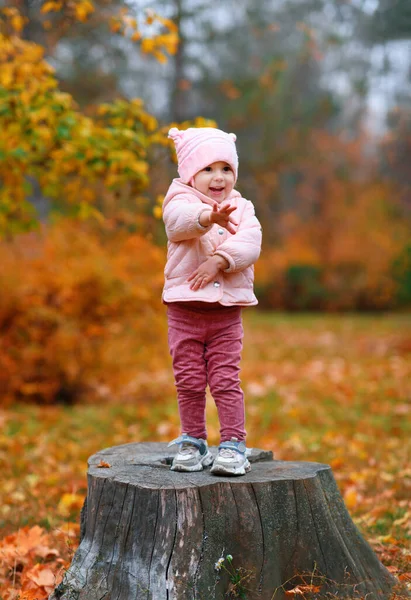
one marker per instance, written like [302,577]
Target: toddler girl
[214,239]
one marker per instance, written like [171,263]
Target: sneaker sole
[205,462]
[222,470]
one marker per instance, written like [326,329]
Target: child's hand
[221,216]
[207,272]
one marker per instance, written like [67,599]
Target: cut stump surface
[154,534]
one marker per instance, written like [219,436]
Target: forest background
[318,93]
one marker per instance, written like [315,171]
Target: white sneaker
[193,454]
[231,459]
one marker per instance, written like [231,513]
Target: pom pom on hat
[198,147]
[174,133]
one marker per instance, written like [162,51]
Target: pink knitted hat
[198,147]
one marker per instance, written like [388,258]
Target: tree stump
[153,534]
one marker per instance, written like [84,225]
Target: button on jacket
[190,244]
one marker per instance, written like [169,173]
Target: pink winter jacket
[190,244]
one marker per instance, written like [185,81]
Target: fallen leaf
[69,530]
[303,589]
[392,569]
[351,498]
[27,542]
[69,503]
[42,576]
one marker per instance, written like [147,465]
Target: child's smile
[215,181]
[216,192]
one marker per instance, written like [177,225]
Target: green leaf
[27,187]
[63,132]
[18,153]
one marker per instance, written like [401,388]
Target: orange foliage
[79,314]
[18,553]
[345,235]
[324,388]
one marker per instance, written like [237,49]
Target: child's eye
[227,169]
[208,169]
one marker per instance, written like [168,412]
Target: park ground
[333,388]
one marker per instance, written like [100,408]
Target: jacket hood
[178,187]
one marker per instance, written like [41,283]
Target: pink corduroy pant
[205,346]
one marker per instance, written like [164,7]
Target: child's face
[215,181]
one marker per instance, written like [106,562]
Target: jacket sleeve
[181,218]
[242,249]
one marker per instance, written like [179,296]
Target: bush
[402,275]
[303,287]
[370,281]
[80,314]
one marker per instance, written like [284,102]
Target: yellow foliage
[162,58]
[76,159]
[18,23]
[136,37]
[168,23]
[157,212]
[164,38]
[351,498]
[69,503]
[51,7]
[83,9]
[10,18]
[148,45]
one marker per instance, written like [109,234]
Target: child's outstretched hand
[207,272]
[221,216]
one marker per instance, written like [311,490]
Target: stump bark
[153,534]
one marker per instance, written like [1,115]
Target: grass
[323,388]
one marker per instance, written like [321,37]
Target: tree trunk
[178,94]
[153,534]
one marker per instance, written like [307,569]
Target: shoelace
[187,449]
[227,453]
